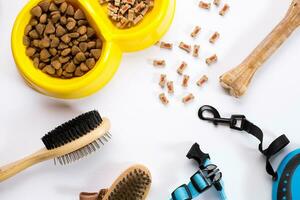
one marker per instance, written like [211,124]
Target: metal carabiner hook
[216,115]
[216,119]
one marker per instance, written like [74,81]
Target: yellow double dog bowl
[115,43]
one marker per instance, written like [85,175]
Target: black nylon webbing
[277,145]
[240,123]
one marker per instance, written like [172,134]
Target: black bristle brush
[68,142]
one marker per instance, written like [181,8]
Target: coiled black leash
[240,123]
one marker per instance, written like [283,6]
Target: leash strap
[208,175]
[240,123]
[276,146]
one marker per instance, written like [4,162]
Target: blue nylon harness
[207,176]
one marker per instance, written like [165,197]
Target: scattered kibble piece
[131,15]
[185,81]
[30,51]
[202,80]
[188,98]
[127,13]
[159,63]
[212,59]
[139,6]
[217,2]
[196,51]
[196,31]
[185,47]
[162,80]
[117,2]
[163,99]
[49,70]
[181,68]
[57,38]
[214,37]
[138,19]
[123,22]
[170,87]
[165,45]
[131,2]
[36,11]
[224,10]
[204,5]
[145,10]
[121,10]
[79,14]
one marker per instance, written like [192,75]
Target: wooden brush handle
[238,79]
[18,166]
[44,154]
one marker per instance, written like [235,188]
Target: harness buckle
[208,174]
[199,156]
[206,178]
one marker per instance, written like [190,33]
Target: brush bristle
[133,186]
[72,130]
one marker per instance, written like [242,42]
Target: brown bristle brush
[133,184]
[68,142]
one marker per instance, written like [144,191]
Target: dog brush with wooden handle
[69,142]
[238,79]
[133,184]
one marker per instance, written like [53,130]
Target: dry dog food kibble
[185,47]
[127,13]
[162,80]
[202,80]
[181,68]
[185,80]
[165,45]
[60,41]
[159,63]
[188,98]
[170,87]
[163,99]
[196,51]
[224,10]
[204,5]
[196,31]
[214,37]
[212,59]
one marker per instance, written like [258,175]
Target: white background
[144,131]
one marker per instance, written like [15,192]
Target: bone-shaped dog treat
[238,79]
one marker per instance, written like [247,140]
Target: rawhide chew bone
[237,80]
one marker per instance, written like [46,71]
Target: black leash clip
[236,122]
